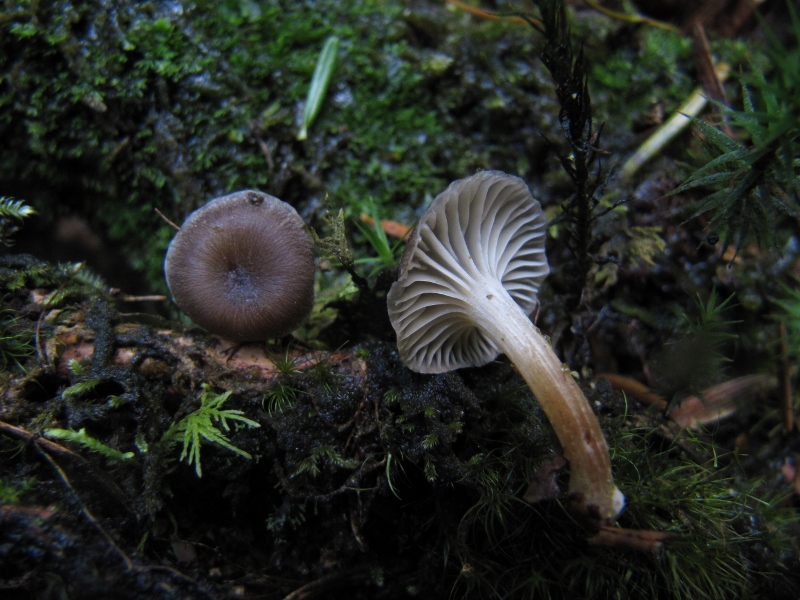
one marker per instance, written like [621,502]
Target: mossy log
[363,478]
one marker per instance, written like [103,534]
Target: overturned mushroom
[242,266]
[468,282]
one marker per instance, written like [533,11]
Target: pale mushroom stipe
[242,267]
[468,283]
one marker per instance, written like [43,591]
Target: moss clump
[635,73]
[120,108]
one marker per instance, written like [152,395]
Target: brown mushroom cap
[242,267]
[483,228]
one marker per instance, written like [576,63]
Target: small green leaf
[430,441]
[718,138]
[319,84]
[16,209]
[79,389]
[376,236]
[76,368]
[715,178]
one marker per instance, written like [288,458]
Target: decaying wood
[201,357]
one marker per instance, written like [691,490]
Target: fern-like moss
[758,180]
[12,212]
[319,456]
[201,425]
[93,444]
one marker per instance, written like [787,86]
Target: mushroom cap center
[242,266]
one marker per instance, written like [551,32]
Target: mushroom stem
[591,485]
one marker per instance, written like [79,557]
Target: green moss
[118,109]
[728,537]
[659,70]
[11,492]
[718,548]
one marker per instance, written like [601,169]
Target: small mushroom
[468,281]
[242,267]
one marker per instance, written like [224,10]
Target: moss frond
[93,444]
[757,181]
[12,212]
[322,454]
[280,396]
[201,425]
[16,343]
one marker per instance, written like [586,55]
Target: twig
[166,220]
[27,436]
[711,405]
[43,444]
[326,583]
[708,73]
[267,155]
[630,18]
[671,128]
[87,513]
[130,565]
[152,298]
[490,16]
[112,156]
[635,389]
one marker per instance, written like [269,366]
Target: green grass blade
[319,84]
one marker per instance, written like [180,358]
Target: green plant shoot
[376,236]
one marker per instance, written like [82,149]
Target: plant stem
[570,74]
[591,486]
